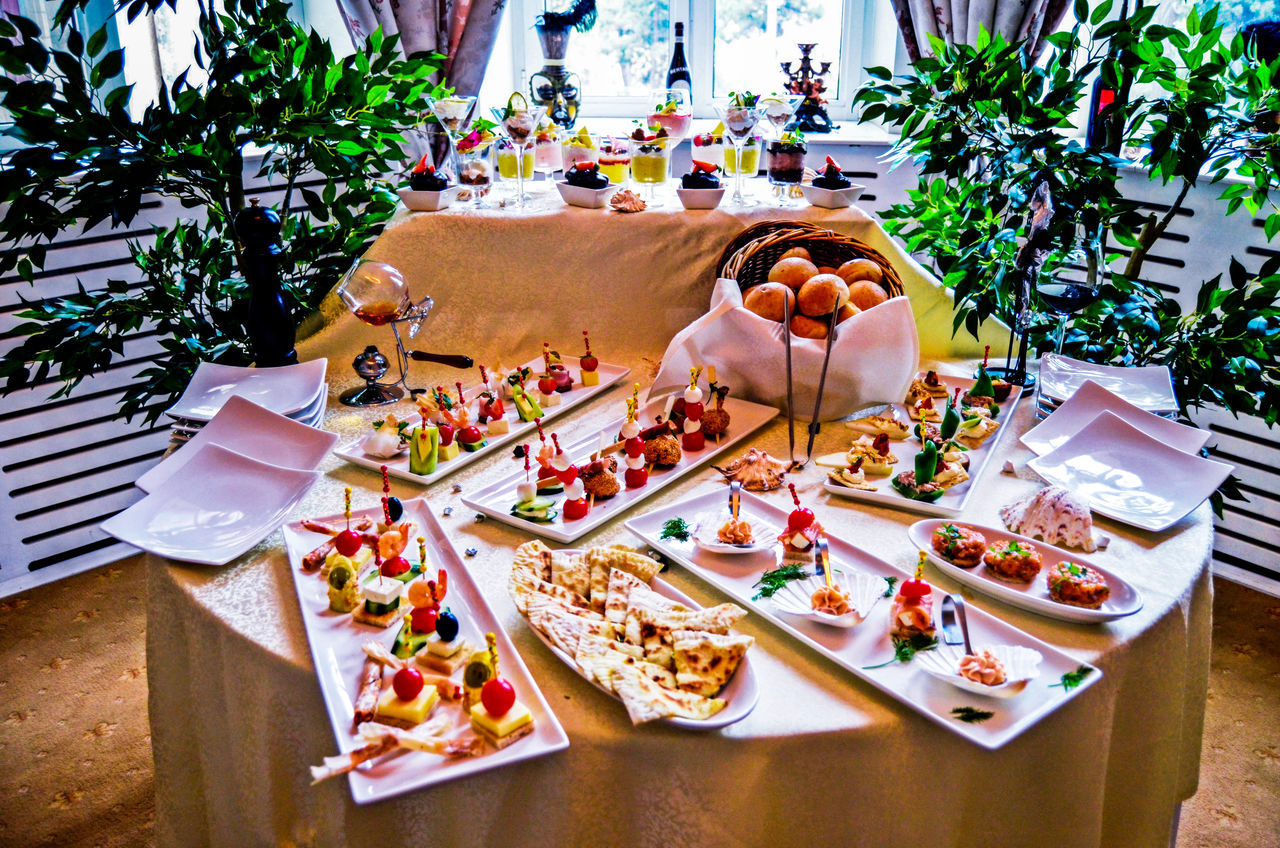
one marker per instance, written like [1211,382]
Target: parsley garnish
[906,649]
[675,528]
[888,592]
[1072,679]
[971,715]
[772,581]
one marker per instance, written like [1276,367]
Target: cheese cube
[499,426]
[590,378]
[413,712]
[514,719]
[448,451]
[552,399]
[383,590]
[441,648]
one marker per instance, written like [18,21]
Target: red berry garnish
[407,683]
[424,619]
[446,434]
[498,696]
[347,543]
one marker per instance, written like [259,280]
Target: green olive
[338,576]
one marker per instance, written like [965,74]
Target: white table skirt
[237,716]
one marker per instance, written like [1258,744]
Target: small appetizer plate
[832,198]
[288,390]
[741,694]
[1021,666]
[1149,387]
[864,591]
[705,528]
[867,651]
[219,507]
[700,198]
[586,198]
[1127,475]
[1033,596]
[1091,399]
[428,201]
[249,430]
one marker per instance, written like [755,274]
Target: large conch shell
[627,201]
[756,470]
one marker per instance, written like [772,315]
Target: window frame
[864,24]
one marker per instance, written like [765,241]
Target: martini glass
[779,109]
[518,122]
[739,117]
[671,109]
[455,115]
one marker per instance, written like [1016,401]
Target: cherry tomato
[447,626]
[575,509]
[636,477]
[799,519]
[568,475]
[407,683]
[547,384]
[914,589]
[498,696]
[589,363]
[395,566]
[634,447]
[694,441]
[425,620]
[470,435]
[694,410]
[347,542]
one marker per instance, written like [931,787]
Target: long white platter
[336,641]
[954,500]
[1034,596]
[398,466]
[740,694]
[497,499]
[859,648]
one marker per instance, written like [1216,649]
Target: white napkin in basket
[873,360]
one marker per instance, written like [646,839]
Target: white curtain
[463,30]
[960,21]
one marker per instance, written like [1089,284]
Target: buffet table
[237,715]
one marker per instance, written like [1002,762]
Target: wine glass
[672,111]
[518,121]
[377,294]
[739,114]
[1063,295]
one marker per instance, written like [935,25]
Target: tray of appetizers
[467,422]
[876,620]
[420,682]
[605,613]
[1025,572]
[888,460]
[563,492]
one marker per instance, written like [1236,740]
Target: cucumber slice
[375,608]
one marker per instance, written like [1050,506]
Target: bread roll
[865,294]
[808,328]
[796,251]
[822,294]
[861,269]
[792,272]
[826,269]
[769,299]
[846,312]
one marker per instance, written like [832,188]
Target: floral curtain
[463,30]
[960,21]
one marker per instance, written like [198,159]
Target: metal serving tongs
[814,425]
[955,623]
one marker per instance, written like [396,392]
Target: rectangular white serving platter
[336,641]
[954,500]
[869,644]
[496,499]
[399,466]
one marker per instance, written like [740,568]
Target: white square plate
[221,505]
[287,390]
[1091,399]
[249,430]
[1149,387]
[1127,475]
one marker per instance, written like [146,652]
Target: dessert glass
[784,163]
[519,126]
[739,122]
[672,111]
[579,148]
[475,172]
[650,163]
[614,158]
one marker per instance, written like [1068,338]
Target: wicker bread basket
[748,258]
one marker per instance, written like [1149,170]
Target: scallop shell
[707,525]
[1021,665]
[864,591]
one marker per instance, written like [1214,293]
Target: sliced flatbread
[624,559]
[530,554]
[876,424]
[540,602]
[599,586]
[524,581]
[564,629]
[705,662]
[656,628]
[646,701]
[571,572]
[619,591]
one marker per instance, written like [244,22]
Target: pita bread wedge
[620,585]
[530,554]
[590,650]
[645,598]
[656,628]
[523,581]
[599,593]
[659,675]
[705,662]
[564,629]
[538,602]
[647,701]
[571,572]
[624,559]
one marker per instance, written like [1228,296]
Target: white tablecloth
[237,716]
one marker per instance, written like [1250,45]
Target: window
[730,44]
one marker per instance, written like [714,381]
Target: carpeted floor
[76,750]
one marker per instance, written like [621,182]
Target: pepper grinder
[271,329]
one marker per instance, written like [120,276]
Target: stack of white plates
[1148,387]
[298,392]
[235,482]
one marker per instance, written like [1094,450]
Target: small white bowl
[700,198]
[1021,666]
[587,198]
[428,201]
[832,198]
